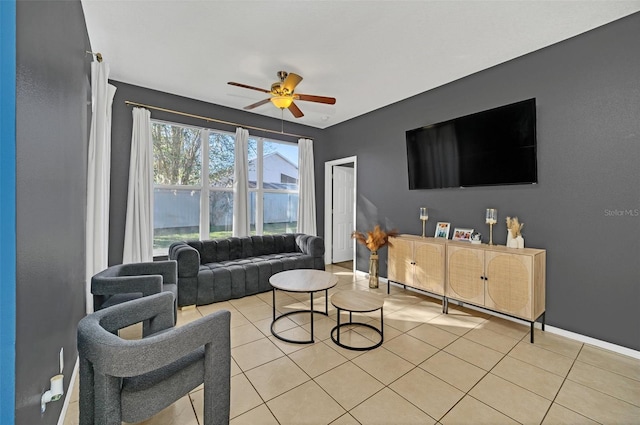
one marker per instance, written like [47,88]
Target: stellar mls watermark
[635,212]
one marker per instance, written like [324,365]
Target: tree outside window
[177,184]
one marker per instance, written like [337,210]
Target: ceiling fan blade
[319,99]
[255,105]
[295,110]
[248,87]
[291,82]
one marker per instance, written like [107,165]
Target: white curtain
[240,184]
[98,176]
[138,233]
[307,189]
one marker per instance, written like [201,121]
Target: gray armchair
[126,282]
[132,380]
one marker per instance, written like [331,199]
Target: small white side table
[357,302]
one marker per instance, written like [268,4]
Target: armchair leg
[217,379]
[108,409]
[86,399]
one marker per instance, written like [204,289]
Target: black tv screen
[493,147]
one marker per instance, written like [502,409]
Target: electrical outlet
[61,359]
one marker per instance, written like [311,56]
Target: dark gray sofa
[222,269]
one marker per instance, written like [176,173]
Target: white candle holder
[491,219]
[424,216]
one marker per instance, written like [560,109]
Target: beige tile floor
[465,367]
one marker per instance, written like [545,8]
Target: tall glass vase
[373,270]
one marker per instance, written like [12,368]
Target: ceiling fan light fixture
[282,102]
[282,94]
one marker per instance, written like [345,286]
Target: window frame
[259,190]
[205,188]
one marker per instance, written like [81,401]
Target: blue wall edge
[8,209]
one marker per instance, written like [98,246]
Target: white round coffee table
[357,302]
[301,280]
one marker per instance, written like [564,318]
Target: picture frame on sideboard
[442,230]
[460,234]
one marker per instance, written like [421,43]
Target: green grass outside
[163,241]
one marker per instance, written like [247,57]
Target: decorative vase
[520,242]
[373,270]
[511,241]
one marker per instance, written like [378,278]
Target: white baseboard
[592,341]
[551,329]
[67,396]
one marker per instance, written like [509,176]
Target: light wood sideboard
[418,262]
[496,278]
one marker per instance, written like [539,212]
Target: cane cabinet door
[429,263]
[401,261]
[465,274]
[509,283]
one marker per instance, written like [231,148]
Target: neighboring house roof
[276,154]
[282,186]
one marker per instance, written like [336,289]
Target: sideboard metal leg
[532,327]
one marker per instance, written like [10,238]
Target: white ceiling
[367,54]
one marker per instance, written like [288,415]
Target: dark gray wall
[588,107]
[52,110]
[121,142]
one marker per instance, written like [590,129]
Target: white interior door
[343,181]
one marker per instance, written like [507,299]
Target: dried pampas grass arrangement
[374,240]
[514,226]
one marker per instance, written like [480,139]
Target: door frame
[328,203]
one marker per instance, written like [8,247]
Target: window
[221,154]
[287,179]
[273,202]
[177,184]
[181,183]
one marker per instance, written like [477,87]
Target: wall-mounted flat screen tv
[493,147]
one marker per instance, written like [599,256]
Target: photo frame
[442,230]
[460,234]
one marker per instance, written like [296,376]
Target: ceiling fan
[282,94]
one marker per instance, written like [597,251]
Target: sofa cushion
[268,245]
[235,248]
[247,248]
[249,261]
